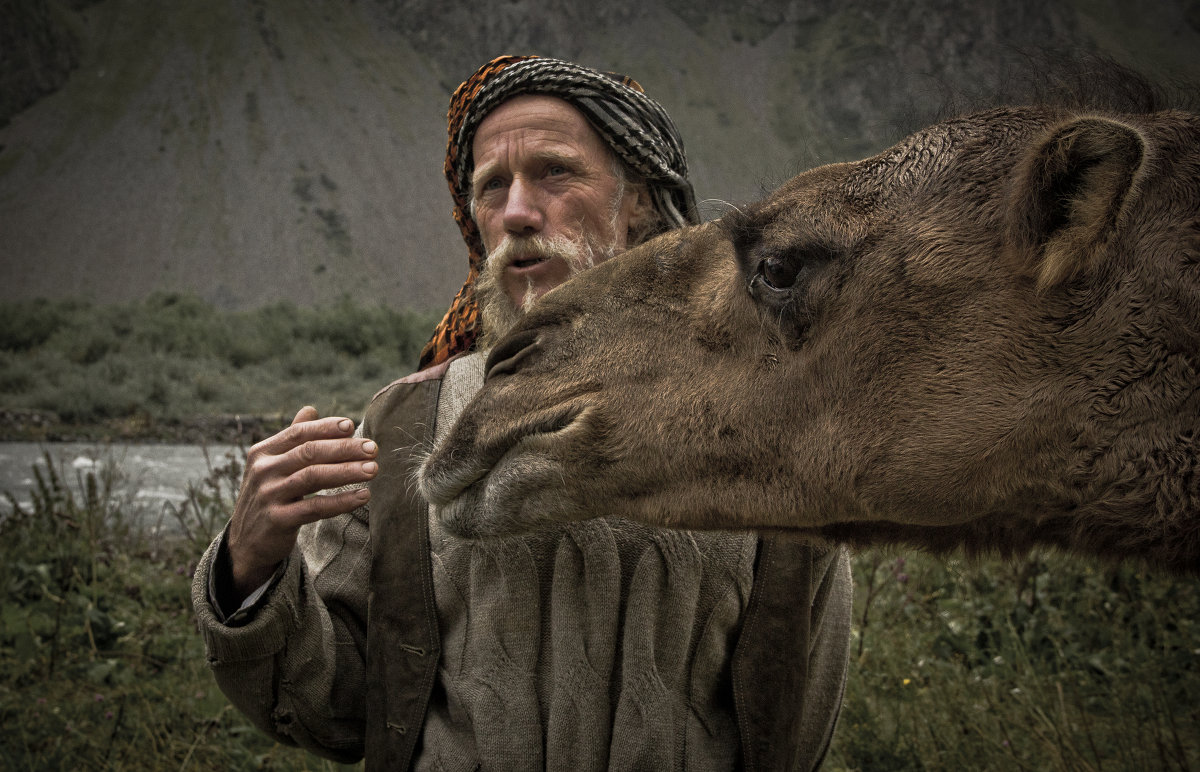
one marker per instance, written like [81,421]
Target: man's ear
[641,218]
[1069,193]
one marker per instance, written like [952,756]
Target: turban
[635,127]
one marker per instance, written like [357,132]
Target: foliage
[1047,663]
[101,666]
[173,357]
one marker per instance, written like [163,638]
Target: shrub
[88,346]
[24,326]
[78,398]
[13,377]
[172,357]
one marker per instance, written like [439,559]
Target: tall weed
[101,666]
[1043,663]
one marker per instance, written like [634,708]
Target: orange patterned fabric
[634,126]
[458,329]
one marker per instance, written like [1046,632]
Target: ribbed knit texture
[597,645]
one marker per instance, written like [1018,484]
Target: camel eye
[779,272]
[791,270]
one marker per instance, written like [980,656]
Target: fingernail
[370,467]
[369,447]
[362,494]
[346,425]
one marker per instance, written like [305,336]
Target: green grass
[170,360]
[1047,663]
[1044,663]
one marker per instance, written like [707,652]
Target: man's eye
[556,170]
[494,183]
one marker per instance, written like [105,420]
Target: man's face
[542,171]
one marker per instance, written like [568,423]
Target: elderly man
[352,628]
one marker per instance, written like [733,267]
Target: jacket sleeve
[295,667]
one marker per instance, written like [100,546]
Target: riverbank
[18,425]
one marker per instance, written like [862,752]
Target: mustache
[514,249]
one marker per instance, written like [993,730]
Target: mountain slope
[251,150]
[204,146]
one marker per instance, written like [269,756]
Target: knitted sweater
[603,644]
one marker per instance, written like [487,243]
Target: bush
[24,326]
[171,357]
[77,398]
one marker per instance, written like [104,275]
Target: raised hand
[283,472]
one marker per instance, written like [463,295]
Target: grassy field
[1045,663]
[101,666]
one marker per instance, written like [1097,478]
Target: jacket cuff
[266,627]
[220,580]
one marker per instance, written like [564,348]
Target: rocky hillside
[250,150]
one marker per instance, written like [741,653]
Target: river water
[148,480]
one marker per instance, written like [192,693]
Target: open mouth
[527,262]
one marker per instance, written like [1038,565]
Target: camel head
[986,336]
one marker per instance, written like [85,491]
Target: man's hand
[282,473]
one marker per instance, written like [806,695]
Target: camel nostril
[508,355]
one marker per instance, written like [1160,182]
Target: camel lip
[455,515]
[442,486]
[449,471]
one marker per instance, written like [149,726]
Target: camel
[985,337]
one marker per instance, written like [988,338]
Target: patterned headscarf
[632,124]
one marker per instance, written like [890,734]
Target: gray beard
[497,311]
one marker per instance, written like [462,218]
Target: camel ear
[1069,194]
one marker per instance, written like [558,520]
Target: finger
[304,431]
[313,508]
[306,413]
[311,467]
[315,453]
[321,477]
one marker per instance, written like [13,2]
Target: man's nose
[522,209]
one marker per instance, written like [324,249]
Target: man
[352,629]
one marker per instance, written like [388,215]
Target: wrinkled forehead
[532,122]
